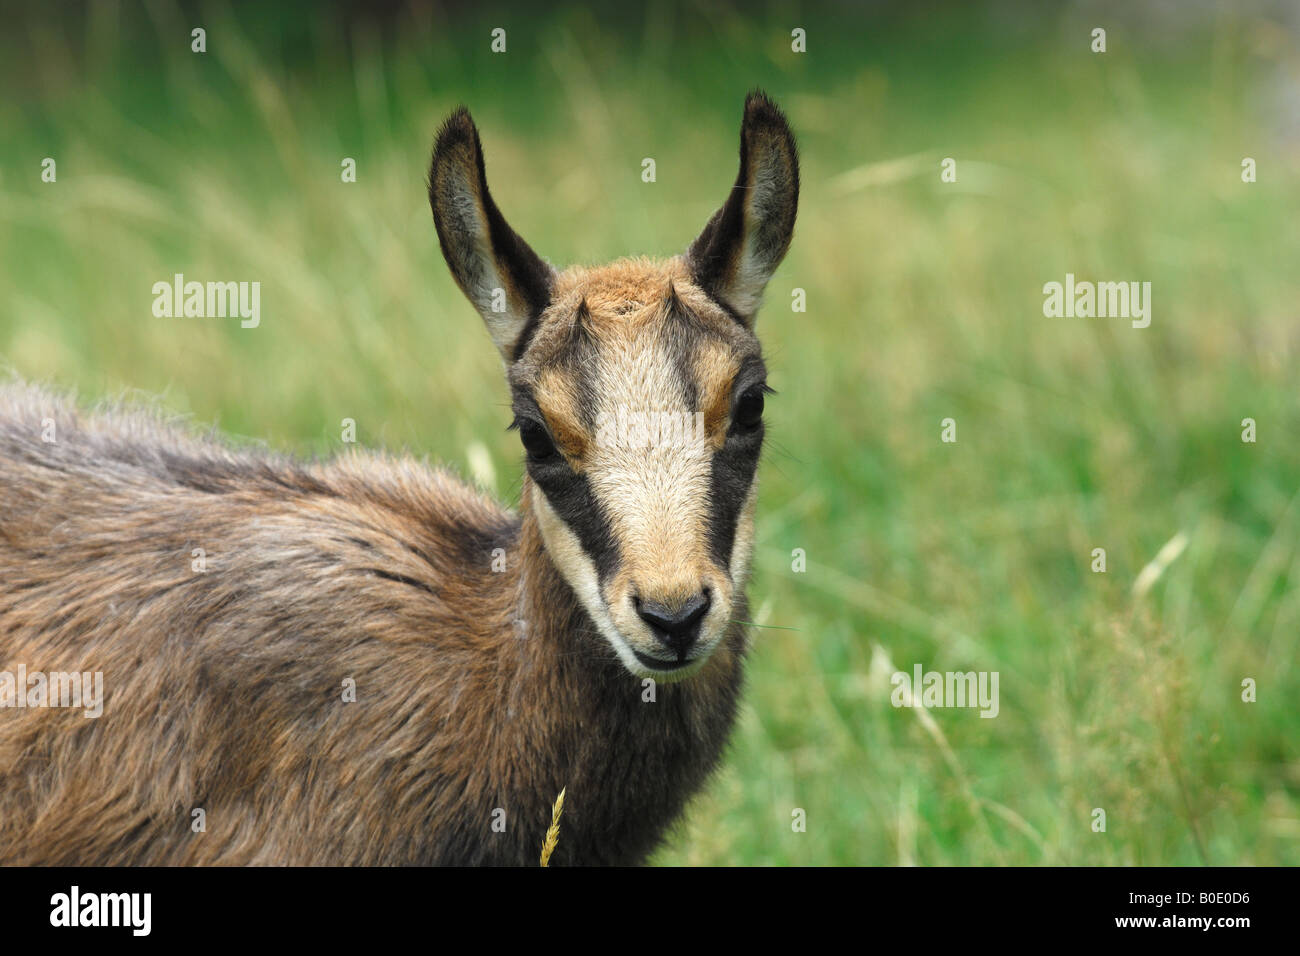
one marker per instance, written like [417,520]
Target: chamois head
[638,393]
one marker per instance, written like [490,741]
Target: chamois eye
[536,442]
[749,410]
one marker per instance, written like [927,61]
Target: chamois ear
[505,280]
[747,238]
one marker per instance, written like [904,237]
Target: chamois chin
[364,661]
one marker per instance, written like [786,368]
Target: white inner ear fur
[763,202]
[486,285]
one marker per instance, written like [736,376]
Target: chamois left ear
[499,273]
[747,238]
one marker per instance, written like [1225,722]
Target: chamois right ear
[505,280]
[747,238]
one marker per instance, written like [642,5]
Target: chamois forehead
[611,313]
[627,282]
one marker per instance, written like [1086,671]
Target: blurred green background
[924,301]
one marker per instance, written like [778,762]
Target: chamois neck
[628,753]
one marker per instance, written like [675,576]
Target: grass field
[924,302]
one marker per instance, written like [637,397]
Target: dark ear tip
[761,111]
[456,129]
[457,139]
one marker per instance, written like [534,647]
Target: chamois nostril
[675,627]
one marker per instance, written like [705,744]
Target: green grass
[924,302]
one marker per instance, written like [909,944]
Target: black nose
[675,627]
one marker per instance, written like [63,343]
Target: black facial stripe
[526,334]
[690,391]
[582,363]
[524,405]
[578,358]
[732,475]
[570,496]
[731,313]
[568,492]
[683,333]
[752,371]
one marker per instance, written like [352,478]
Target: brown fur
[223,687]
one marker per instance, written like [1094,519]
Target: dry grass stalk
[553,832]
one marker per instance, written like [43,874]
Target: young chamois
[230,598]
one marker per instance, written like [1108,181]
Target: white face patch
[742,549]
[653,481]
[649,466]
